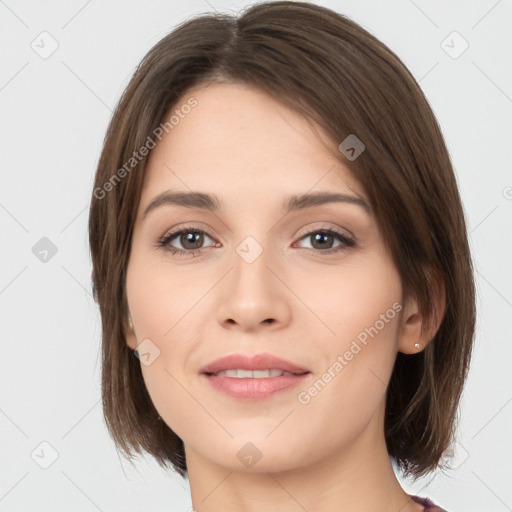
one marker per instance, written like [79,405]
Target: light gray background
[54,115]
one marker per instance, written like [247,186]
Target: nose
[252,295]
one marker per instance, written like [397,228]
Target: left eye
[322,240]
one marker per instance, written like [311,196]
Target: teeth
[250,374]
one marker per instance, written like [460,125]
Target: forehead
[238,141]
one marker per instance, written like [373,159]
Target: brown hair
[338,75]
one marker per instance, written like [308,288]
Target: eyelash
[163,242]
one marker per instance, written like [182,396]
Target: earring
[417,346]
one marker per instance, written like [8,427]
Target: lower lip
[254,389]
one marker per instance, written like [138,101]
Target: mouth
[252,377]
[254,374]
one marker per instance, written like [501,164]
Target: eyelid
[175,231]
[307,231]
[191,227]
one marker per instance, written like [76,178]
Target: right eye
[190,238]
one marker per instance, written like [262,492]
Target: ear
[417,332]
[129,333]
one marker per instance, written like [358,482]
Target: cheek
[360,308]
[348,393]
[164,306]
[354,301]
[161,294]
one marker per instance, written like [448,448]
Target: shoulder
[429,505]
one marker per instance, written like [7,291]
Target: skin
[330,453]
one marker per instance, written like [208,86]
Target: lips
[255,362]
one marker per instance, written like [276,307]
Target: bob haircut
[336,74]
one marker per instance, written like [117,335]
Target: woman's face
[312,284]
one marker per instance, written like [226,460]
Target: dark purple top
[429,505]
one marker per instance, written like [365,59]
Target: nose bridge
[250,276]
[251,294]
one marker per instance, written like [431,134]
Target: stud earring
[417,346]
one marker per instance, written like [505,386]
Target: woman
[281,263]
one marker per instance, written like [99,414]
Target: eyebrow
[291,203]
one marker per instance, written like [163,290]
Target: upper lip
[251,362]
